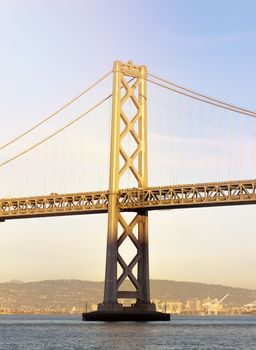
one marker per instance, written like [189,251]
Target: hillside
[182,291]
[68,294]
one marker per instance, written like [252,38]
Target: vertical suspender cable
[254,149]
[230,146]
[45,167]
[182,137]
[170,144]
[220,144]
[207,143]
[170,124]
[175,136]
[193,142]
[25,186]
[241,133]
[217,144]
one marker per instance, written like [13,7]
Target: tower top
[130,69]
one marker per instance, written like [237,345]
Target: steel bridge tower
[129,86]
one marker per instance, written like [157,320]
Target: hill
[69,295]
[182,291]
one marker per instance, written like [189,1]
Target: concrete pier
[126,315]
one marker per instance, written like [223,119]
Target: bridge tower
[129,86]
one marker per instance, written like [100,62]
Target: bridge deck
[152,198]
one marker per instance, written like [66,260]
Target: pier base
[126,314]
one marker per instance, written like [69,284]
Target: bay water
[182,332]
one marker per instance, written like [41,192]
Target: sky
[51,51]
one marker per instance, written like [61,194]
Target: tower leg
[110,287]
[143,300]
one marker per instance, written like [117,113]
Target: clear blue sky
[52,50]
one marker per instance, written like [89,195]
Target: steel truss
[152,198]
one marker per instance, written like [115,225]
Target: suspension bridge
[227,150]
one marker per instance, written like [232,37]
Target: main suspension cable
[56,132]
[249,113]
[56,112]
[201,95]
